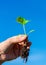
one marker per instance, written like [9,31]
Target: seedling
[25,51]
[23,21]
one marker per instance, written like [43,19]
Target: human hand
[11,48]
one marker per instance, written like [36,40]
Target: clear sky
[35,11]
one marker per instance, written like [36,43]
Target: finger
[18,39]
[25,43]
[21,43]
[29,44]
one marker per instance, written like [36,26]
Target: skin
[11,48]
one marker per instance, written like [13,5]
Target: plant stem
[29,33]
[24,29]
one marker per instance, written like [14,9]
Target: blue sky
[35,11]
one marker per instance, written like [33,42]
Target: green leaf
[22,20]
[32,30]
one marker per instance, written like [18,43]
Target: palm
[13,52]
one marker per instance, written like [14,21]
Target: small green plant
[24,51]
[23,21]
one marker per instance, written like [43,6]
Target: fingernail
[28,47]
[22,35]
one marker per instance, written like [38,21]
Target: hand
[11,47]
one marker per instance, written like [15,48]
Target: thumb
[19,38]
